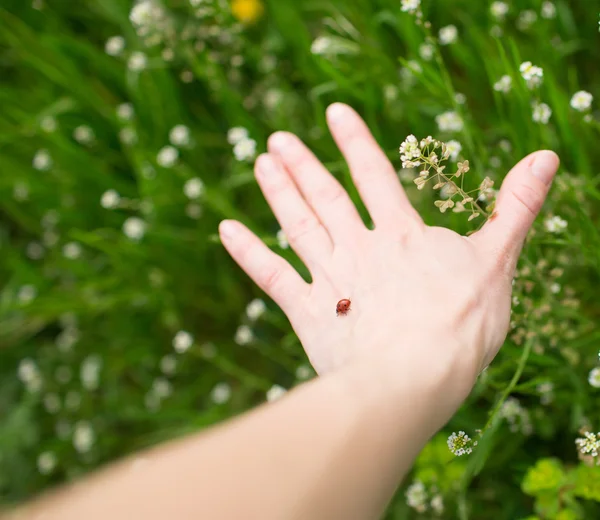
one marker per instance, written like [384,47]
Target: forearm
[334,448]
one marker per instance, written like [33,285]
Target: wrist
[426,375]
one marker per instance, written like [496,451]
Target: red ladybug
[342,307]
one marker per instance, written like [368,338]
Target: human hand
[413,287]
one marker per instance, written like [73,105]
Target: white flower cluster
[134,228]
[221,393]
[244,148]
[461,444]
[30,375]
[499,10]
[244,335]
[581,101]
[504,84]
[417,497]
[449,122]
[255,309]
[589,444]
[532,74]
[516,416]
[148,18]
[541,112]
[410,6]
[182,341]
[448,35]
[275,392]
[555,224]
[594,377]
[548,10]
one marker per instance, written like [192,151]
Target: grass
[123,301]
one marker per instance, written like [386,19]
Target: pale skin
[430,309]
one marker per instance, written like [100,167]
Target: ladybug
[342,307]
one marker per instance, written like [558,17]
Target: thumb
[520,199]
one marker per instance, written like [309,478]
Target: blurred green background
[128,132]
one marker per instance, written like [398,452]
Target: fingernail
[227,229]
[336,112]
[545,165]
[279,141]
[266,165]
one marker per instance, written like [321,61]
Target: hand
[410,285]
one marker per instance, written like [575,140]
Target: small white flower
[42,160]
[72,250]
[416,496]
[83,437]
[46,462]
[303,372]
[128,136]
[275,392]
[26,294]
[162,388]
[282,239]
[548,10]
[236,135]
[321,46]
[144,13]
[168,365]
[532,74]
[167,157]
[182,341]
[48,124]
[245,150]
[541,113]
[437,504]
[448,35]
[193,188]
[581,101]
[454,148]
[255,309]
[243,335]
[110,199]
[67,339]
[83,134]
[594,377]
[410,6]
[555,224]
[28,370]
[555,288]
[504,84]
[426,51]
[526,19]
[114,46]
[449,122]
[460,98]
[90,372]
[138,61]
[180,135]
[125,112]
[134,228]
[221,393]
[499,10]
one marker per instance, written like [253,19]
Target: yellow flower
[247,11]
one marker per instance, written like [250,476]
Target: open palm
[413,288]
